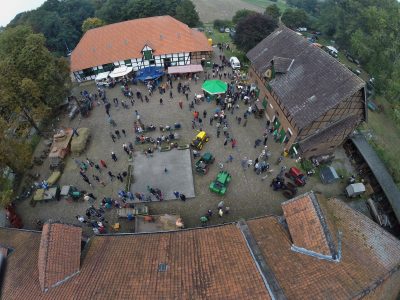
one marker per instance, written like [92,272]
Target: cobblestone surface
[247,196]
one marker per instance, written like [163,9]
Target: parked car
[221,29]
[227,30]
[301,29]
[235,63]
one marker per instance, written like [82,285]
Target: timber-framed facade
[312,100]
[157,41]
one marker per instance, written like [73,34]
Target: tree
[221,23]
[186,13]
[241,14]
[32,81]
[252,30]
[273,11]
[294,18]
[310,6]
[91,23]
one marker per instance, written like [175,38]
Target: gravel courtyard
[247,196]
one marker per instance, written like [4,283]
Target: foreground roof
[126,40]
[381,174]
[308,81]
[257,259]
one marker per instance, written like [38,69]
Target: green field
[386,137]
[264,3]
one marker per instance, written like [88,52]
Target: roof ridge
[325,228]
[46,250]
[270,281]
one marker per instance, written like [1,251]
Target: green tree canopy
[32,80]
[252,30]
[370,31]
[59,21]
[273,11]
[186,13]
[241,14]
[294,18]
[310,6]
[91,23]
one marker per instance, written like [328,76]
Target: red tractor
[12,217]
[296,175]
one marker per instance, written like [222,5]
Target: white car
[227,30]
[235,63]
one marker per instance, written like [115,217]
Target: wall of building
[354,105]
[176,59]
[274,109]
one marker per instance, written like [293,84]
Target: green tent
[214,87]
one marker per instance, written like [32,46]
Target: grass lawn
[386,138]
[264,3]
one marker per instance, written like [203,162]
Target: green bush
[306,165]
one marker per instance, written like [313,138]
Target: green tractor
[219,185]
[202,165]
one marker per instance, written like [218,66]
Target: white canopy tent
[121,71]
[102,76]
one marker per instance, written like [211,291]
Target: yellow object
[210,42]
[268,73]
[201,135]
[54,178]
[116,226]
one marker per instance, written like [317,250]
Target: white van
[235,63]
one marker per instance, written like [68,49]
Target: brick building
[156,41]
[319,249]
[313,100]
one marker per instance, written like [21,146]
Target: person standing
[233,141]
[117,134]
[225,141]
[123,132]
[111,175]
[177,194]
[220,212]
[112,137]
[170,94]
[161,101]
[182,197]
[113,156]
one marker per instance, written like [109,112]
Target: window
[152,62]
[128,62]
[147,54]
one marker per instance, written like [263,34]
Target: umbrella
[214,87]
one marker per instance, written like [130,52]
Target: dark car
[222,30]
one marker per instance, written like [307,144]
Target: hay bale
[78,143]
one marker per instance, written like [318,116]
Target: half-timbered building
[313,101]
[157,41]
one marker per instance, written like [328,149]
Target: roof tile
[126,40]
[59,254]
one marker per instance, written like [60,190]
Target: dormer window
[147,53]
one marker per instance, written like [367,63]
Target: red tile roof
[59,254]
[125,40]
[370,257]
[305,226]
[209,263]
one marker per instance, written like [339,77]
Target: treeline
[369,30]
[61,21]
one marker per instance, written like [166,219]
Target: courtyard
[247,196]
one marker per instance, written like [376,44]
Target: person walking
[113,156]
[161,101]
[225,141]
[221,204]
[233,141]
[170,94]
[103,163]
[229,159]
[220,212]
[182,197]
[112,137]
[239,119]
[96,178]
[111,175]
[117,134]
[123,132]
[204,114]
[211,120]
[181,104]
[177,194]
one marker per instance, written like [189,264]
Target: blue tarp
[149,73]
